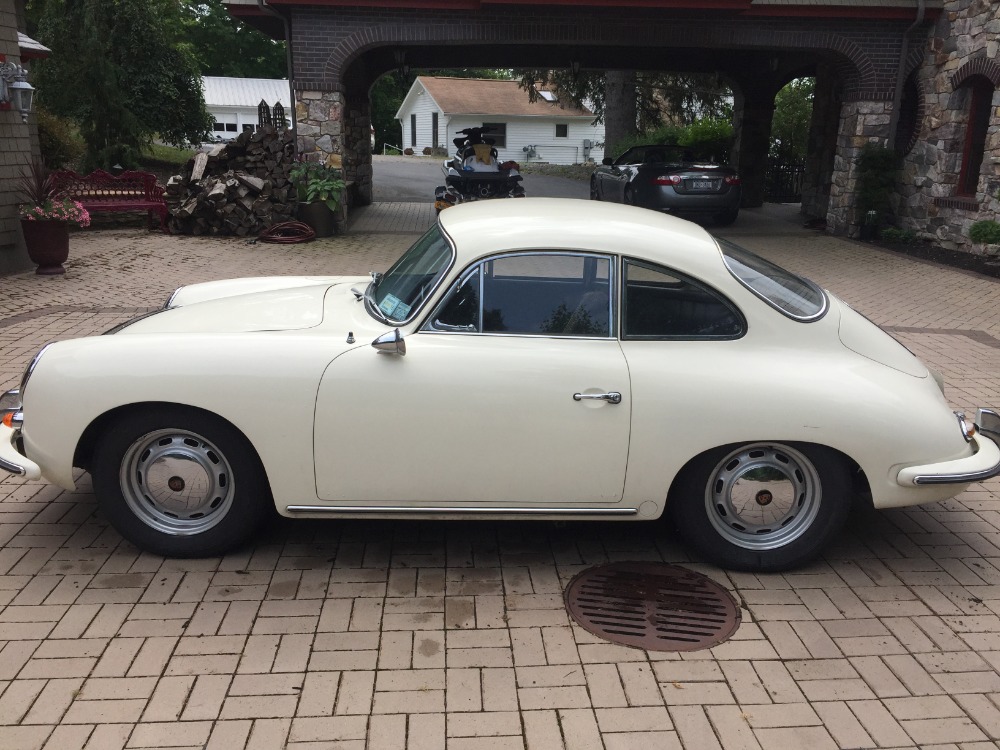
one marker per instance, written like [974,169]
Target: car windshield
[791,295]
[397,294]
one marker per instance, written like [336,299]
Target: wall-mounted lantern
[15,91]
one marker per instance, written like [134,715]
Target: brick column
[861,122]
[822,149]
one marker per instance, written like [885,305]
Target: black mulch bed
[982,264]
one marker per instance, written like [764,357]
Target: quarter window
[661,304]
[542,294]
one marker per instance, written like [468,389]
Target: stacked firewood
[239,188]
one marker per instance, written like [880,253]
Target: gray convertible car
[669,179]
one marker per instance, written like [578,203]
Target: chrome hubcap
[177,482]
[763,497]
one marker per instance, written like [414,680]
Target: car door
[513,393]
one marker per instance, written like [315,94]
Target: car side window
[543,294]
[662,304]
[461,310]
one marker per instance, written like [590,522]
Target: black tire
[726,218]
[146,460]
[594,195]
[628,196]
[809,485]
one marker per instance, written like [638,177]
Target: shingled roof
[478,96]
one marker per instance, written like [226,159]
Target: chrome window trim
[415,312]
[613,293]
[811,284]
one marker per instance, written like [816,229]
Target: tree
[120,70]
[631,103]
[790,127]
[224,46]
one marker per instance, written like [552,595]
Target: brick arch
[981,66]
[860,77]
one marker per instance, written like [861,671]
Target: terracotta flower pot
[48,245]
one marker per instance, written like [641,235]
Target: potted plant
[320,192]
[46,215]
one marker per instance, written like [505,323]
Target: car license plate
[702,184]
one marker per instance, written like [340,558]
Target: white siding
[423,107]
[241,116]
[539,132]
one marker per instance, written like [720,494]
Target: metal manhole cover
[653,606]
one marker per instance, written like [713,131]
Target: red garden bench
[129,191]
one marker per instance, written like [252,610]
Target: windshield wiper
[370,299]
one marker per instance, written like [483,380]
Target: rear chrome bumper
[11,460]
[983,464]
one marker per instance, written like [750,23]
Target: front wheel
[628,196]
[594,194]
[763,506]
[180,483]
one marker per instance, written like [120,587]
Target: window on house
[219,127]
[496,132]
[980,105]
[562,131]
[413,131]
[434,129]
[230,127]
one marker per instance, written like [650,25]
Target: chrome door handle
[614,397]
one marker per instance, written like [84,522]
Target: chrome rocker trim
[388,509]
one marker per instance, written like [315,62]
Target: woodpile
[239,188]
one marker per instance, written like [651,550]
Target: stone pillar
[822,148]
[319,117]
[861,122]
[753,113]
[357,149]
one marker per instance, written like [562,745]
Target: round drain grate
[653,606]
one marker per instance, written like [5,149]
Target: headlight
[30,368]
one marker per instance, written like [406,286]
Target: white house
[436,108]
[232,102]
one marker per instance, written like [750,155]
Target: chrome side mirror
[390,343]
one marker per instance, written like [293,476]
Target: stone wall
[15,151]
[860,123]
[968,32]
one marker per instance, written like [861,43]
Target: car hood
[274,310]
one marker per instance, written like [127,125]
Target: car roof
[487,227]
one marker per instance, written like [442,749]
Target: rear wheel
[762,506]
[180,483]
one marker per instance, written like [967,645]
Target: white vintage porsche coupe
[532,358]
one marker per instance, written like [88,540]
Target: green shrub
[878,168]
[901,236]
[709,139]
[59,140]
[986,232]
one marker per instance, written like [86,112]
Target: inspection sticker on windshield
[393,307]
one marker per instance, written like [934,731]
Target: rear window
[791,295]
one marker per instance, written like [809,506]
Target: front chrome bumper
[11,418]
[983,464]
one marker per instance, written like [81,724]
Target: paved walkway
[415,635]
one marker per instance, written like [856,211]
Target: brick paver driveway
[423,635]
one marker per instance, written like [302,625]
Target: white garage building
[232,102]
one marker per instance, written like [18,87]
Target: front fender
[264,384]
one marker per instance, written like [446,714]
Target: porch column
[753,115]
[822,149]
[319,116]
[861,122]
